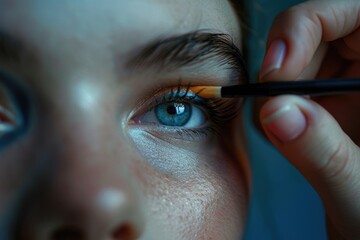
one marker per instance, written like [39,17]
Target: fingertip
[282,119]
[274,59]
[301,38]
[309,137]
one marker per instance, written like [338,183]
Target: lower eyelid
[177,133]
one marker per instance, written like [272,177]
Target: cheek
[189,194]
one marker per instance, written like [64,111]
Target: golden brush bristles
[207,91]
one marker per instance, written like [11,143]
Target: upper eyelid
[158,96]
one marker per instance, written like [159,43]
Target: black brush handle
[304,87]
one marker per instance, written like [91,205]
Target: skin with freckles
[88,161]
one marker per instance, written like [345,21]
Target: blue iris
[173,113]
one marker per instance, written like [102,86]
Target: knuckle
[302,20]
[310,27]
[338,164]
[292,13]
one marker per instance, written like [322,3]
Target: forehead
[123,20]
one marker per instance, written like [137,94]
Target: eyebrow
[165,53]
[190,49]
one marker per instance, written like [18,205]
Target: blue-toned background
[283,205]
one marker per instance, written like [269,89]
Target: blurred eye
[175,114]
[8,121]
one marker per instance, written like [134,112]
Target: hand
[319,136]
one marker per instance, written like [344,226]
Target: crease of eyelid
[167,54]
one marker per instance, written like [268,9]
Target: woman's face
[100,137]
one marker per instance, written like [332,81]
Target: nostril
[67,233]
[124,232]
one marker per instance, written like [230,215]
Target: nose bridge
[85,140]
[91,189]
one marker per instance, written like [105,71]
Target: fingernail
[286,124]
[274,58]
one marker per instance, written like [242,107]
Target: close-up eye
[181,110]
[176,108]
[175,114]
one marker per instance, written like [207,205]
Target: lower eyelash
[194,134]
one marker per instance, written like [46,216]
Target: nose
[86,191]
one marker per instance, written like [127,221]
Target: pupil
[171,110]
[173,113]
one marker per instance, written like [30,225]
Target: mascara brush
[303,87]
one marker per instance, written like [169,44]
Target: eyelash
[219,111]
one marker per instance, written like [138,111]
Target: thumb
[310,138]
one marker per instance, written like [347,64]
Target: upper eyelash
[219,110]
[177,95]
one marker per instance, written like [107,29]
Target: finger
[258,103]
[309,137]
[308,73]
[297,33]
